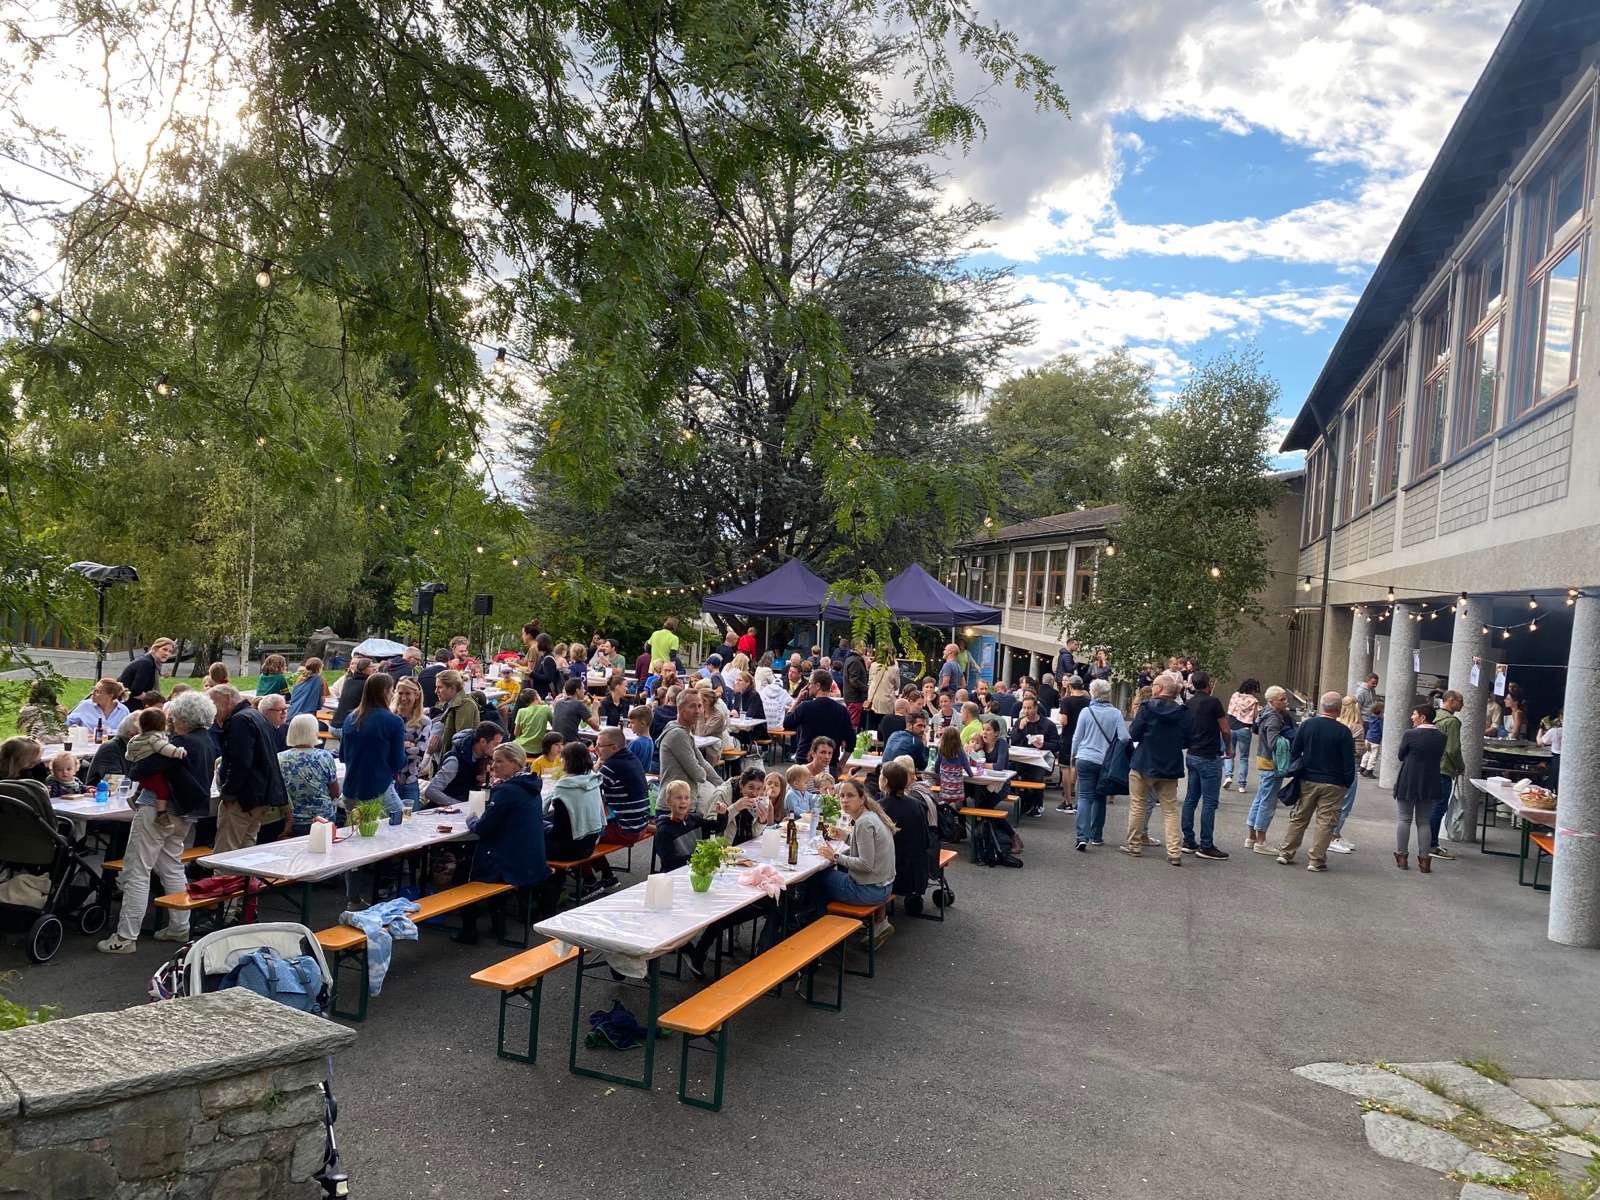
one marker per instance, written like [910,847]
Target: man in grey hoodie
[1160,732]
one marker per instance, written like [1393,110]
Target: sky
[1231,172]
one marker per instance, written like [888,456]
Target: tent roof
[914,595]
[793,590]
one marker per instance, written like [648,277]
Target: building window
[1036,579]
[1058,578]
[1019,580]
[1313,518]
[1083,573]
[1369,447]
[1393,385]
[1477,399]
[1433,399]
[1555,206]
[996,587]
[1349,465]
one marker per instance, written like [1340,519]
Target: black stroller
[203,966]
[36,851]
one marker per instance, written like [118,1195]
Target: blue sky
[1231,172]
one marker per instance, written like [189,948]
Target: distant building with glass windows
[1451,528]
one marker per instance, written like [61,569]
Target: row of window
[1501,377]
[1037,579]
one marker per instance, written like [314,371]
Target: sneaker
[1287,862]
[1211,852]
[881,931]
[1070,809]
[1083,847]
[1262,848]
[1440,852]
[1190,847]
[1097,841]
[1227,785]
[1339,846]
[1314,866]
[1132,851]
[1064,807]
[1174,860]
[1146,840]
[168,934]
[116,945]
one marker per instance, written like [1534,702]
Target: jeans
[1238,753]
[1266,802]
[837,885]
[1349,803]
[1205,784]
[151,848]
[409,791]
[1436,818]
[1091,808]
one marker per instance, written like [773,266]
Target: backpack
[296,982]
[1113,779]
[952,826]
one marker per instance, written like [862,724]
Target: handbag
[1289,789]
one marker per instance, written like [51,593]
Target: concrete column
[1360,661]
[1399,688]
[1575,886]
[1330,670]
[1468,642]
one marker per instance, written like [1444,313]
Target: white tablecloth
[623,927]
[1027,755]
[745,724]
[84,808]
[291,858]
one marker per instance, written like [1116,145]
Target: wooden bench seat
[574,867]
[521,977]
[1544,844]
[984,814]
[707,1012]
[188,856]
[184,902]
[866,916]
[347,944]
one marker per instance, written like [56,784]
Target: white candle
[658,892]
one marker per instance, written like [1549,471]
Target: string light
[35,312]
[163,388]
[1505,635]
[1216,569]
[1305,584]
[338,478]
[1111,549]
[261,439]
[1533,626]
[1390,596]
[1532,603]
[480,549]
[516,562]
[500,361]
[1484,630]
[1461,600]
[264,275]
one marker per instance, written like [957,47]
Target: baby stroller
[206,965]
[37,856]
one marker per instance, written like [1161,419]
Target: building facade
[1452,504]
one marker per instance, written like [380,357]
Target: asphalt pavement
[1088,1026]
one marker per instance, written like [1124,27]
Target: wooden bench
[188,856]
[981,814]
[866,915]
[1544,845]
[574,867]
[1025,785]
[705,1014]
[347,945]
[521,977]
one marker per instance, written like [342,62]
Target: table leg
[653,1011]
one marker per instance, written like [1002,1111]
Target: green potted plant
[703,863]
[830,810]
[366,816]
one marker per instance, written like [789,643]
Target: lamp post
[103,578]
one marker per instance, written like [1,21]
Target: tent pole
[769,637]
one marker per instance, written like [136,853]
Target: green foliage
[14,1015]
[367,812]
[1061,432]
[1192,494]
[708,855]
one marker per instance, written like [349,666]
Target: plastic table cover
[291,858]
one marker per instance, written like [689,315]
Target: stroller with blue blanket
[280,960]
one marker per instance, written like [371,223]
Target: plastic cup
[405,810]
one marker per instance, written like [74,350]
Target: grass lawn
[78,689]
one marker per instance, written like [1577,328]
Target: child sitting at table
[799,799]
[272,681]
[678,828]
[643,746]
[64,775]
[751,810]
[550,755]
[777,791]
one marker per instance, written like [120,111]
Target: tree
[1190,547]
[1061,432]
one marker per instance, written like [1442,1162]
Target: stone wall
[216,1097]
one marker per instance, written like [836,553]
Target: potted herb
[708,856]
[830,810]
[366,816]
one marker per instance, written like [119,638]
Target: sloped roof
[1086,521]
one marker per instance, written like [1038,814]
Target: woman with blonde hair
[103,710]
[1274,725]
[1350,718]
[409,708]
[310,689]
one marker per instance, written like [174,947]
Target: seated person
[625,793]
[678,827]
[510,831]
[465,765]
[912,740]
[574,812]
[572,710]
[643,746]
[864,871]
[752,810]
[798,799]
[549,760]
[971,722]
[820,764]
[666,711]
[614,706]
[893,722]
[912,846]
[64,776]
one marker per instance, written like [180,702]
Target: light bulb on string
[35,312]
[516,562]
[1505,635]
[261,439]
[1533,626]
[1215,569]
[338,478]
[1305,584]
[500,361]
[1484,630]
[264,276]
[1111,549]
[1390,596]
[1461,600]
[435,531]
[1532,603]
[479,549]
[163,388]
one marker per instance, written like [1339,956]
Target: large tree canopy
[415,186]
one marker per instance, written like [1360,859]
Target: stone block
[89,1061]
[1579,1120]
[58,1174]
[299,1075]
[1575,1146]
[1380,1086]
[10,1099]
[225,1152]
[241,1091]
[1493,1100]
[146,1150]
[1407,1141]
[298,1108]
[1559,1091]
[248,1181]
[309,1150]
[1482,1191]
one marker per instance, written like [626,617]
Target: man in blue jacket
[1160,733]
[1327,756]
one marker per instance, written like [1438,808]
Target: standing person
[158,849]
[1099,726]
[747,643]
[883,687]
[351,688]
[1350,718]
[856,676]
[820,715]
[1416,788]
[1209,737]
[1072,706]
[775,698]
[1374,741]
[248,781]
[1160,731]
[1276,727]
[547,675]
[951,677]
[1551,738]
[372,747]
[1067,660]
[103,709]
[1327,756]
[143,674]
[1101,667]
[460,710]
[664,642]
[1367,694]
[1451,767]
[1032,729]
[532,719]
[1244,707]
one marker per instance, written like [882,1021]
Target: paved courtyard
[1090,1026]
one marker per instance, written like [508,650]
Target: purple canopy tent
[914,595]
[793,590]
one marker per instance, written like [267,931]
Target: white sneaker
[116,945]
[1227,785]
[1263,848]
[168,934]
[1340,846]
[881,930]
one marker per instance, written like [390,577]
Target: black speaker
[421,602]
[482,606]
